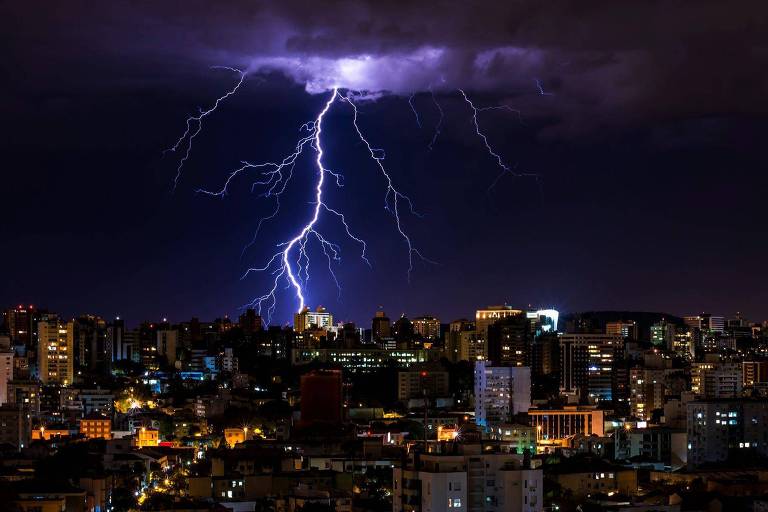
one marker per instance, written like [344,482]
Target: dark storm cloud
[604,62]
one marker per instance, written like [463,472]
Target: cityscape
[381,256]
[508,409]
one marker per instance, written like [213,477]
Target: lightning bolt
[439,124]
[195,123]
[540,87]
[291,263]
[413,109]
[505,168]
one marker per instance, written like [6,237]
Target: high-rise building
[663,334]
[321,397]
[19,322]
[646,391]
[116,341]
[684,343]
[485,317]
[719,430]
[55,354]
[167,343]
[500,393]
[470,347]
[91,347]
[461,342]
[6,374]
[307,320]
[602,351]
[509,341]
[381,328]
[716,380]
[573,364]
[545,359]
[427,327]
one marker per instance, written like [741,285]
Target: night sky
[649,146]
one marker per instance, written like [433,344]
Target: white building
[467,481]
[306,319]
[500,393]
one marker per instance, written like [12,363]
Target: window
[456,502]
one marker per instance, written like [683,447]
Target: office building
[509,341]
[381,328]
[485,317]
[500,393]
[588,359]
[555,426]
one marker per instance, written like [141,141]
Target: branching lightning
[290,265]
[505,168]
[413,109]
[439,124]
[195,123]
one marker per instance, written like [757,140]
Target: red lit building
[321,397]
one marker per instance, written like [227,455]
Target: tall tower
[55,351]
